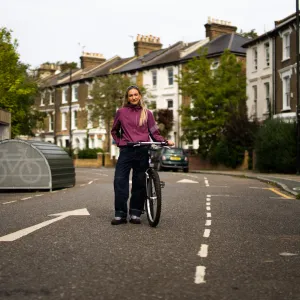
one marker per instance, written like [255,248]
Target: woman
[132,123]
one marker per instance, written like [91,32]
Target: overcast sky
[58,30]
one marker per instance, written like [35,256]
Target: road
[220,237]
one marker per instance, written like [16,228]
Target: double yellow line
[280,194]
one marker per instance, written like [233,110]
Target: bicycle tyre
[153,201]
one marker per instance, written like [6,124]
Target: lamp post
[70,113]
[297,88]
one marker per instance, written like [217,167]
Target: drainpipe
[297,89]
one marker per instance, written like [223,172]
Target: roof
[230,41]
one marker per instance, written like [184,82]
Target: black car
[172,158]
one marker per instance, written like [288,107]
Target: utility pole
[70,113]
[297,89]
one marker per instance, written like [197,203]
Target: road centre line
[208,203]
[9,202]
[90,182]
[200,274]
[208,215]
[39,195]
[203,250]
[26,198]
[207,207]
[208,223]
[206,233]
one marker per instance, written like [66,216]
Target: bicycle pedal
[162,184]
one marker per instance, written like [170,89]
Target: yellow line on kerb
[279,193]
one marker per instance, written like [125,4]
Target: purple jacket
[126,126]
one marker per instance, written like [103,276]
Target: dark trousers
[137,159]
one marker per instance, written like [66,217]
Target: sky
[59,30]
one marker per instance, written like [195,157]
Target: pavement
[287,182]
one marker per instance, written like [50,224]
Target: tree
[164,119]
[17,89]
[218,102]
[252,34]
[108,94]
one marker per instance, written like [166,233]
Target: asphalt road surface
[220,237]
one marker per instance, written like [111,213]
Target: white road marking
[208,203]
[26,198]
[203,250]
[53,191]
[90,182]
[208,223]
[207,207]
[9,202]
[20,233]
[208,215]
[206,182]
[187,181]
[206,233]
[82,184]
[200,274]
[39,195]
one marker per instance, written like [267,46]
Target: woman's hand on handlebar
[170,143]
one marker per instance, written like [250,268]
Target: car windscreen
[174,151]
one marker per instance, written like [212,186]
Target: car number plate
[175,158]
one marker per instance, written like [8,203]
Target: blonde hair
[144,114]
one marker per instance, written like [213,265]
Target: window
[65,95]
[286,46]
[51,94]
[51,122]
[255,59]
[42,98]
[286,93]
[214,65]
[267,54]
[267,95]
[170,76]
[154,78]
[64,121]
[255,100]
[170,104]
[74,93]
[74,119]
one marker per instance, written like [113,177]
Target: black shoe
[135,220]
[118,221]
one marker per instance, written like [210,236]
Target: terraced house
[151,65]
[272,72]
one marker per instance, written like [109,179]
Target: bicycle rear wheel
[153,201]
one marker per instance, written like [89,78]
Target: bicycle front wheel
[153,201]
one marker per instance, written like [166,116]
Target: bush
[89,153]
[227,153]
[276,147]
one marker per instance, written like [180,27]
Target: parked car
[172,158]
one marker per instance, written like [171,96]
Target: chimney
[91,59]
[46,70]
[215,28]
[145,44]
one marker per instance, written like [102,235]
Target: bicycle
[153,186]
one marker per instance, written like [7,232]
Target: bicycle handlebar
[135,144]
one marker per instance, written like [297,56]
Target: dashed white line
[207,207]
[206,233]
[208,203]
[208,223]
[26,198]
[208,215]
[203,250]
[90,182]
[200,274]
[39,195]
[9,202]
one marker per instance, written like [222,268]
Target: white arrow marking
[18,234]
[187,181]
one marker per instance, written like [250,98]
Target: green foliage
[252,34]
[17,89]
[89,153]
[275,147]
[217,116]
[165,121]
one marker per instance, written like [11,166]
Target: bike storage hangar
[34,165]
